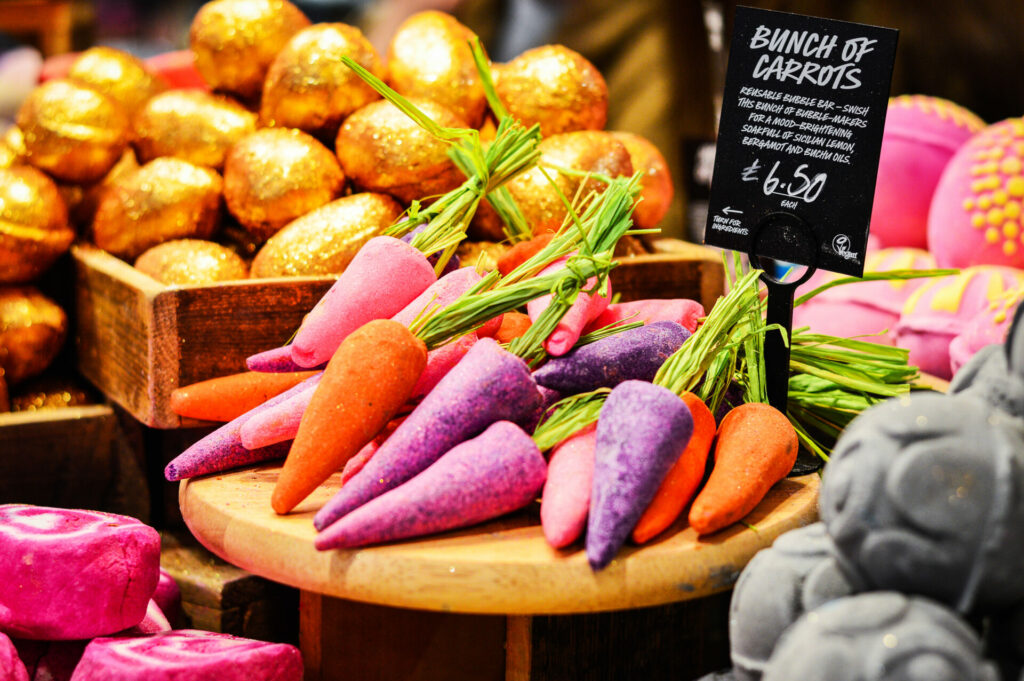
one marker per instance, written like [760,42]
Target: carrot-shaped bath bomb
[369,378]
[488,385]
[566,498]
[495,473]
[438,295]
[356,463]
[585,308]
[228,397]
[222,449]
[442,360]
[383,277]
[680,310]
[513,325]
[275,361]
[522,251]
[756,448]
[278,423]
[683,478]
[634,354]
[641,432]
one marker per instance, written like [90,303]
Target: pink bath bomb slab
[987,327]
[975,215]
[188,655]
[921,135]
[50,660]
[68,574]
[865,308]
[168,596]
[11,666]
[940,310]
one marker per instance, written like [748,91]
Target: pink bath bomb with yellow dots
[975,216]
[987,327]
[867,308]
[921,136]
[941,309]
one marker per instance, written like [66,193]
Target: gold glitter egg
[555,87]
[184,262]
[309,88]
[192,125]
[325,241]
[483,255]
[234,41]
[593,151]
[656,189]
[275,175]
[120,76]
[12,148]
[32,330]
[34,227]
[71,131]
[50,393]
[165,199]
[429,57]
[383,150]
[83,210]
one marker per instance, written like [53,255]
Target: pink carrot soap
[989,326]
[74,574]
[566,498]
[497,472]
[442,360]
[683,311]
[586,308]
[11,666]
[188,655]
[277,423]
[921,136]
[385,275]
[939,311]
[438,295]
[275,361]
[975,215]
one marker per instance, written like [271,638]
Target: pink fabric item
[987,327]
[278,423]
[11,666]
[74,574]
[188,655]
[566,499]
[168,597]
[585,309]
[921,136]
[680,310]
[384,276]
[440,361]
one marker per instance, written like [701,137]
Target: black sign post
[797,154]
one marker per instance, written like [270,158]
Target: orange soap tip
[227,397]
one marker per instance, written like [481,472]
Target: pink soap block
[168,596]
[586,308]
[687,313]
[188,655]
[274,361]
[440,361]
[74,574]
[940,309]
[975,216]
[921,135]
[11,666]
[566,498]
[866,308]
[439,295]
[989,326]
[50,660]
[385,275]
[277,423]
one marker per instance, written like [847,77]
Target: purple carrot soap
[635,354]
[497,472]
[641,431]
[73,574]
[188,655]
[11,666]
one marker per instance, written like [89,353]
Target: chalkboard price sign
[799,138]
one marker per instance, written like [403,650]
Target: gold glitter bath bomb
[656,189]
[324,241]
[120,76]
[71,131]
[556,87]
[429,57]
[192,125]
[190,262]
[383,150]
[34,227]
[82,204]
[165,199]
[234,41]
[12,147]
[309,88]
[586,150]
[32,330]
[275,175]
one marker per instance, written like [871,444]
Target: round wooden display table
[492,601]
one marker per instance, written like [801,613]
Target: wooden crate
[138,339]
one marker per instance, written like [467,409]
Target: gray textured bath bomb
[925,495]
[880,636]
[797,573]
[719,676]
[989,377]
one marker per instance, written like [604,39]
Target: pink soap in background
[188,655]
[987,327]
[168,597]
[940,310]
[68,574]
[975,216]
[865,308]
[683,311]
[11,666]
[153,623]
[921,135]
